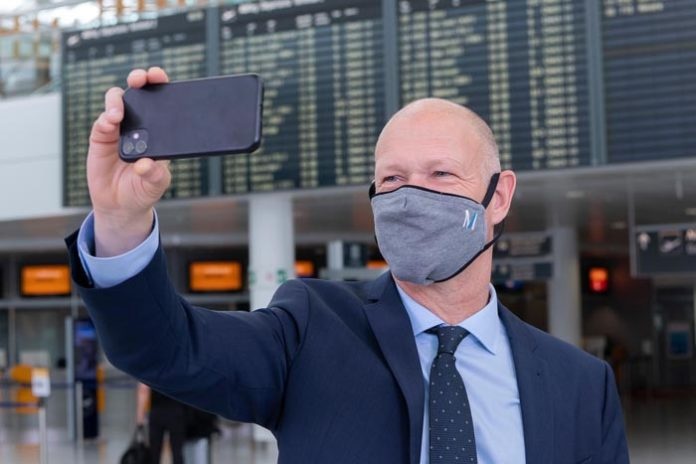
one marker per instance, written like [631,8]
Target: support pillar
[271,246]
[271,257]
[564,294]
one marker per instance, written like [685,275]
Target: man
[161,414]
[421,365]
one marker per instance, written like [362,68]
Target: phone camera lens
[140,146]
[128,147]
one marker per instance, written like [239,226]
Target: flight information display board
[321,61]
[520,65]
[649,59]
[523,66]
[96,59]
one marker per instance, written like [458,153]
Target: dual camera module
[134,142]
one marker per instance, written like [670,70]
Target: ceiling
[596,201]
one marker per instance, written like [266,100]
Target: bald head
[437,116]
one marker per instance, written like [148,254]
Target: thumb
[155,173]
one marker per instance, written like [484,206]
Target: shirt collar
[483,325]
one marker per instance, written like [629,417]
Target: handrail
[18,404]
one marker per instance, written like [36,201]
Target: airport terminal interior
[592,104]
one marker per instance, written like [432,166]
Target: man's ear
[502,198]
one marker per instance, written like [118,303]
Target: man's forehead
[438,140]
[433,124]
[426,160]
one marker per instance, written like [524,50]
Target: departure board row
[520,65]
[327,65]
[650,78]
[324,99]
[96,59]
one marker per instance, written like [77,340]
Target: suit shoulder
[322,287]
[560,352]
[318,293]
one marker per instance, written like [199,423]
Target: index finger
[113,105]
[157,75]
[137,78]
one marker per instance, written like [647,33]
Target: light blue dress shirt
[484,358]
[107,272]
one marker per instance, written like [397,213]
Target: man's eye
[389,179]
[441,173]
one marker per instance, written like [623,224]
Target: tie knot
[449,337]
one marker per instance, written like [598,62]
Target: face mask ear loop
[371,193]
[492,185]
[500,227]
[498,230]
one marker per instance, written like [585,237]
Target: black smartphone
[200,117]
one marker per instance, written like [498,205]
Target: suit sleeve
[107,272]
[614,447]
[232,364]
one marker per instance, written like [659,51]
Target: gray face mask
[428,236]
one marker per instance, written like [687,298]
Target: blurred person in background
[159,414]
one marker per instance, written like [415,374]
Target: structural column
[564,295]
[271,256]
[271,246]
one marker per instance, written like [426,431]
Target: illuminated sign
[304,268]
[215,276]
[599,279]
[45,280]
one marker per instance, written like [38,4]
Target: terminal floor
[660,430]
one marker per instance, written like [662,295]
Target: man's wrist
[115,235]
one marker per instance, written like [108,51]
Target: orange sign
[43,280]
[215,276]
[304,268]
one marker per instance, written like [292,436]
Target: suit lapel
[534,388]
[392,328]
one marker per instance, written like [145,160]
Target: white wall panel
[30,157]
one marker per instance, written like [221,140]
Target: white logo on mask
[469,220]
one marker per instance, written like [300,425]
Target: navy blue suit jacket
[332,369]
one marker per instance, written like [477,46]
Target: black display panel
[96,59]
[666,249]
[321,62]
[520,65]
[649,59]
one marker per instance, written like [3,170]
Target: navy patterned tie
[451,428]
